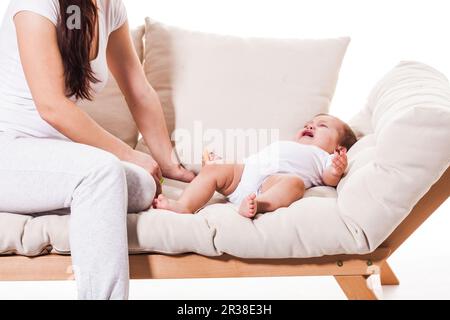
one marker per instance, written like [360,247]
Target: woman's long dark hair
[75,45]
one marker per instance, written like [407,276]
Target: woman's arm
[44,71]
[143,102]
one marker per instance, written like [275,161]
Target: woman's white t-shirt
[18,112]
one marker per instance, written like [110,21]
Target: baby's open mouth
[308,134]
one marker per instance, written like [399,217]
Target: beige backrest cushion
[209,84]
[109,108]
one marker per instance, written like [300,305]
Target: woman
[53,155]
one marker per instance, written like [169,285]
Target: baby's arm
[334,173]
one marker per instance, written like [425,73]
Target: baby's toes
[251,214]
[157,201]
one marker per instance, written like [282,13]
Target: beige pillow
[110,110]
[212,86]
[406,150]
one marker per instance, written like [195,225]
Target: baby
[277,176]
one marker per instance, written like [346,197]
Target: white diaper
[251,183]
[283,157]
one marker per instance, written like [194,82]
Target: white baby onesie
[283,157]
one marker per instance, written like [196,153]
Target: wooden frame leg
[388,277]
[355,287]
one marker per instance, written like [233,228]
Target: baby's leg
[279,191]
[221,178]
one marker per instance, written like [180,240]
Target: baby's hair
[348,137]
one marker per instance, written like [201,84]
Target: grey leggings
[41,175]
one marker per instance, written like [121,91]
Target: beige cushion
[409,112]
[159,231]
[209,84]
[109,108]
[391,168]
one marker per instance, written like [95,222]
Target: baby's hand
[340,162]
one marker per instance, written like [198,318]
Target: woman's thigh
[39,175]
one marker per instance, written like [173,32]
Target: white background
[383,33]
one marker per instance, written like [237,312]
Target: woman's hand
[148,163]
[178,172]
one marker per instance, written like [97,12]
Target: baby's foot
[249,207]
[166,204]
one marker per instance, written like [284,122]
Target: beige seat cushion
[109,108]
[159,231]
[218,91]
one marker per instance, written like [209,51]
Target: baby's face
[323,132]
